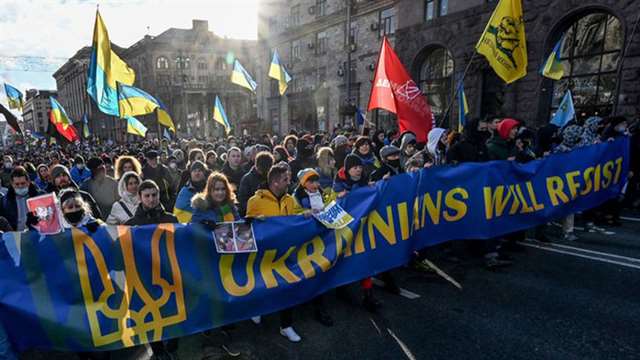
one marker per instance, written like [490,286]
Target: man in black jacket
[390,156]
[150,210]
[13,206]
[61,179]
[254,179]
[472,147]
[159,173]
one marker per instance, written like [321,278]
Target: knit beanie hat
[361,141]
[352,160]
[505,126]
[59,170]
[197,165]
[388,150]
[305,175]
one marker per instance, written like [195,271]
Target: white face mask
[22,191]
[173,165]
[80,166]
[8,164]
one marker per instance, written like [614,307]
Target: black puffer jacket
[156,215]
[249,184]
[472,147]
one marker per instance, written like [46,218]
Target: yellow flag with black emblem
[504,42]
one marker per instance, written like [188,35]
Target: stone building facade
[35,112]
[312,41]
[436,40]
[71,82]
[186,69]
[601,58]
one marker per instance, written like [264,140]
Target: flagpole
[464,74]
[622,57]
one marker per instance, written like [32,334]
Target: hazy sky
[56,29]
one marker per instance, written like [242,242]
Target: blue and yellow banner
[121,286]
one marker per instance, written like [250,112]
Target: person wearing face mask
[198,174]
[407,147]
[61,179]
[79,172]
[437,145]
[102,187]
[124,208]
[76,211]
[390,156]
[13,206]
[5,176]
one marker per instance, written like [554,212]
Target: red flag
[69,131]
[394,90]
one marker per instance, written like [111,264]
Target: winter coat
[251,182]
[264,203]
[499,148]
[95,209]
[104,192]
[342,182]
[234,176]
[383,171]
[9,205]
[156,215]
[369,163]
[471,148]
[125,208]
[302,197]
[202,211]
[80,175]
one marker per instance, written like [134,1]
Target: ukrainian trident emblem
[125,306]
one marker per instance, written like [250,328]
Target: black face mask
[74,217]
[394,163]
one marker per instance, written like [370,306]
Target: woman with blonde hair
[125,164]
[216,203]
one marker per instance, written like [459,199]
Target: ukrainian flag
[14,96]
[463,108]
[220,116]
[553,68]
[60,119]
[133,101]
[504,42]
[135,127]
[278,72]
[164,118]
[241,77]
[106,70]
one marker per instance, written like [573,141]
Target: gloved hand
[92,227]
[32,219]
[210,225]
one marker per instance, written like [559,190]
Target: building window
[435,8]
[388,22]
[436,78]
[321,43]
[295,15]
[162,63]
[275,87]
[202,65]
[353,69]
[203,79]
[591,56]
[321,8]
[296,48]
[183,62]
[221,64]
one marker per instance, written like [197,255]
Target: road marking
[597,253]
[403,346]
[403,292]
[629,218]
[547,248]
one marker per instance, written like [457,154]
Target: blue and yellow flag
[278,72]
[504,43]
[553,68]
[14,96]
[135,127]
[164,119]
[565,111]
[463,108]
[220,116]
[133,101]
[106,70]
[85,126]
[241,77]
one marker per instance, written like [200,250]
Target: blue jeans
[6,352]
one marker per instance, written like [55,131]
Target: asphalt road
[577,300]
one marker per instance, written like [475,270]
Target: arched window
[436,78]
[183,62]
[162,63]
[221,64]
[591,56]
